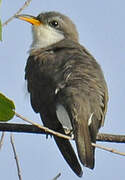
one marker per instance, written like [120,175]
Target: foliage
[7,108]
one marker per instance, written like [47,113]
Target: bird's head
[49,28]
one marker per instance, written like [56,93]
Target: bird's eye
[53,23]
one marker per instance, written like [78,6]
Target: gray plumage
[66,73]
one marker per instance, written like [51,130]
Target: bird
[66,85]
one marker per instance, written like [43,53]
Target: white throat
[44,36]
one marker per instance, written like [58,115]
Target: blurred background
[101,26]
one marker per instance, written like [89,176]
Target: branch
[47,130]
[110,138]
[18,12]
[108,149]
[25,128]
[15,156]
[57,176]
[1,139]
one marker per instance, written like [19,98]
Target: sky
[101,27]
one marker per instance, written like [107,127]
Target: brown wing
[85,96]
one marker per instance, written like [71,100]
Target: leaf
[7,108]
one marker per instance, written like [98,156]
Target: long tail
[63,144]
[83,143]
[84,136]
[69,155]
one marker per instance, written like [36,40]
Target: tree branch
[57,176]
[25,128]
[15,156]
[1,139]
[18,12]
[108,149]
[110,138]
[47,130]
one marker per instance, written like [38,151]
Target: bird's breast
[43,76]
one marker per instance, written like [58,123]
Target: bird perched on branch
[66,85]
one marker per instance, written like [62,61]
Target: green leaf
[0,31]
[7,108]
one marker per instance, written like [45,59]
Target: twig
[18,12]
[108,149]
[58,175]
[47,130]
[66,137]
[15,156]
[110,138]
[1,140]
[26,128]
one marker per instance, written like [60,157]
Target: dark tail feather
[84,147]
[69,155]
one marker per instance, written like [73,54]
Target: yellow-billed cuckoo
[66,86]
